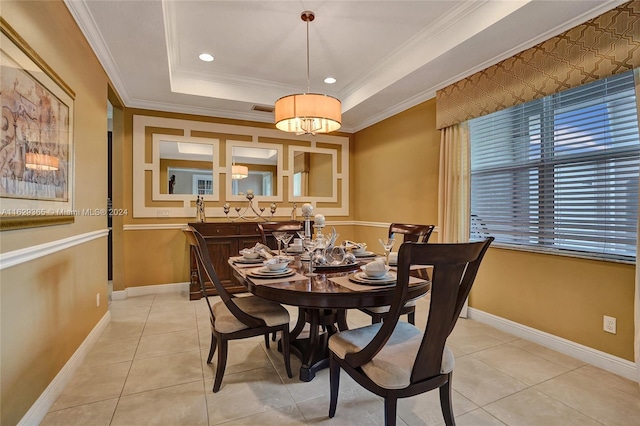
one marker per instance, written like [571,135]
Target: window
[560,173]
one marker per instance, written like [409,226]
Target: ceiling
[387,56]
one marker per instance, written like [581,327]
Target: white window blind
[560,173]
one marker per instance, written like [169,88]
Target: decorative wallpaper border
[601,47]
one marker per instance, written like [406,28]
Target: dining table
[322,299]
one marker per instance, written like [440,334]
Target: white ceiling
[387,56]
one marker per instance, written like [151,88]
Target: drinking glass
[278,236]
[286,238]
[310,245]
[387,245]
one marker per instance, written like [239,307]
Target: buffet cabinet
[224,240]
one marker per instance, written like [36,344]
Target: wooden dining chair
[266,228]
[410,233]
[395,359]
[236,317]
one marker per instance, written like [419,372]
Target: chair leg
[390,405]
[376,318]
[334,384]
[273,336]
[285,351]
[222,363]
[445,403]
[411,317]
[266,340]
[212,348]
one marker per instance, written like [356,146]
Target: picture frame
[36,138]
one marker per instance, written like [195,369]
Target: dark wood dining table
[322,301]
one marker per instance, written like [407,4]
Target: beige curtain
[636,340]
[454,190]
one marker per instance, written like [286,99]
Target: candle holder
[249,212]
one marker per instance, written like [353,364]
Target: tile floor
[149,368]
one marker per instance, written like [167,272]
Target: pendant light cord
[308,78]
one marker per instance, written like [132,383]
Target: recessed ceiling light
[205,57]
[329,80]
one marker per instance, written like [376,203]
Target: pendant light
[308,113]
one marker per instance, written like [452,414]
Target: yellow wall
[48,305]
[395,172]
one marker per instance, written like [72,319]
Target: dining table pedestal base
[313,350]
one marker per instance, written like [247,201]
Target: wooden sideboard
[224,240]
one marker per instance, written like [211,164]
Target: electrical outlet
[609,324]
[163,213]
[97,300]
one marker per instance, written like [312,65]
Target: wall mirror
[186,168]
[255,167]
[313,174]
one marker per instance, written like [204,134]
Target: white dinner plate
[364,254]
[248,261]
[261,273]
[362,278]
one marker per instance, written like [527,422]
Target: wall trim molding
[608,362]
[147,290]
[16,257]
[41,407]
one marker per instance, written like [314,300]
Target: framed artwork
[36,138]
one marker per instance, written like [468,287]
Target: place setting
[374,273]
[277,267]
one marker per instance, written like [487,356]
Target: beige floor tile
[176,405]
[591,397]
[93,384]
[116,330]
[610,380]
[106,352]
[424,409]
[360,408]
[477,417]
[95,414]
[246,394]
[520,364]
[482,383]
[533,408]
[486,329]
[162,371]
[167,320]
[167,343]
[176,388]
[468,341]
[548,354]
[243,355]
[289,416]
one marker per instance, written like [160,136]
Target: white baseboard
[41,407]
[150,289]
[611,363]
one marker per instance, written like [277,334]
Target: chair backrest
[411,232]
[287,226]
[454,270]
[206,272]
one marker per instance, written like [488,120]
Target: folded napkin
[393,257]
[376,265]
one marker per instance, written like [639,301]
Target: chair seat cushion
[271,313]
[391,367]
